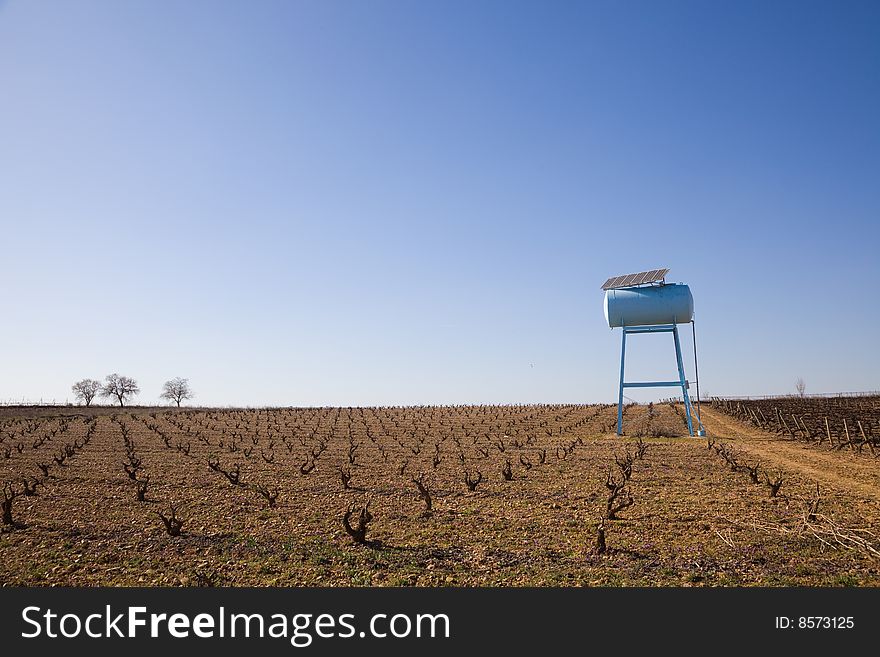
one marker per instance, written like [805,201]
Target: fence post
[865,438]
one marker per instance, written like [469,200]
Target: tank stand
[682,381]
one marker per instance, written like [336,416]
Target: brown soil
[693,520]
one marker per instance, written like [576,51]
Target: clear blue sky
[416,202]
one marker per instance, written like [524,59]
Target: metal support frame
[702,430]
[682,381]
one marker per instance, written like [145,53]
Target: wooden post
[828,431]
[846,429]
[785,424]
[865,438]
[808,428]
[764,424]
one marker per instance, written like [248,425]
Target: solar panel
[630,280]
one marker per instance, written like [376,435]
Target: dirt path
[844,471]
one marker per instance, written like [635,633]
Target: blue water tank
[647,306]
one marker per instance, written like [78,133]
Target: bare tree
[271,494]
[177,390]
[172,523]
[142,488]
[507,470]
[121,387]
[86,390]
[472,481]
[773,484]
[800,386]
[619,497]
[9,495]
[345,476]
[601,547]
[425,494]
[359,533]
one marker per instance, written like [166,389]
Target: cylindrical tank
[647,306]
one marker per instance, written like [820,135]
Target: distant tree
[177,390]
[121,387]
[86,390]
[800,386]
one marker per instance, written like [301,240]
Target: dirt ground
[694,520]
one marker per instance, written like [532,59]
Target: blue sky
[320,203]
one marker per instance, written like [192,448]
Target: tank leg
[684,392]
[620,394]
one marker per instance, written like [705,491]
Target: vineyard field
[836,422]
[540,495]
